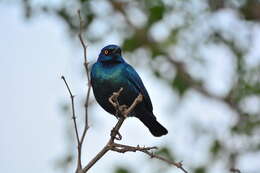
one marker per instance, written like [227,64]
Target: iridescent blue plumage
[109,74]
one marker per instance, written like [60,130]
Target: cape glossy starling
[109,74]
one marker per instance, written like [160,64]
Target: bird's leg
[115,134]
[127,111]
[122,109]
[114,101]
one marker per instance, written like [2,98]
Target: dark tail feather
[153,125]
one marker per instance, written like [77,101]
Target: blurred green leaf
[247,125]
[130,44]
[251,10]
[200,170]
[156,13]
[82,1]
[135,41]
[157,73]
[121,170]
[166,152]
[180,84]
[215,148]
[65,108]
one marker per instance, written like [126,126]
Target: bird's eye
[106,52]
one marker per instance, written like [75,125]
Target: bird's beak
[117,50]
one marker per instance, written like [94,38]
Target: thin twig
[88,77]
[178,164]
[126,148]
[83,45]
[235,170]
[73,108]
[75,124]
[80,140]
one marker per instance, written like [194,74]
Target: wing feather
[135,79]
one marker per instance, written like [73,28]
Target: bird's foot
[115,134]
[139,98]
[123,109]
[127,111]
[113,99]
[116,94]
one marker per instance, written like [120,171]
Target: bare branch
[178,164]
[96,158]
[80,140]
[75,123]
[234,170]
[83,45]
[115,131]
[126,148]
[123,113]
[88,77]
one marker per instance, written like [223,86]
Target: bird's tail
[153,125]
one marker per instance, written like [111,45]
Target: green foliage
[131,44]
[156,13]
[216,147]
[180,84]
[65,108]
[122,170]
[248,126]
[166,152]
[251,10]
[82,1]
[200,170]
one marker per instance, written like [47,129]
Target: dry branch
[79,164]
[111,145]
[86,65]
[235,170]
[115,135]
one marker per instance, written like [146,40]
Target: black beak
[117,50]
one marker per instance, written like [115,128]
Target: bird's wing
[135,79]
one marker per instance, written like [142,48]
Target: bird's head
[110,53]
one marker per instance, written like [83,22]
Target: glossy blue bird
[109,74]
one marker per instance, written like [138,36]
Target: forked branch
[79,143]
[123,112]
[115,135]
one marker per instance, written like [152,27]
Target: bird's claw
[116,94]
[123,109]
[115,134]
[139,98]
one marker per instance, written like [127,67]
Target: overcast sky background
[33,56]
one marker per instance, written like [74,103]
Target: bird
[110,73]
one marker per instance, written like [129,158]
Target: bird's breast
[108,76]
[105,81]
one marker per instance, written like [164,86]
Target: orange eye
[106,52]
